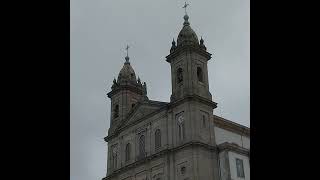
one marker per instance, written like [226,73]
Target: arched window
[199,74]
[128,149]
[179,75]
[157,136]
[116,111]
[142,145]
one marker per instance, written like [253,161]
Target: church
[177,140]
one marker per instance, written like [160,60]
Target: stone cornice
[184,48]
[132,88]
[233,147]
[231,126]
[193,98]
[159,154]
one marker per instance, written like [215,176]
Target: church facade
[177,140]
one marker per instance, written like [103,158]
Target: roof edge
[231,126]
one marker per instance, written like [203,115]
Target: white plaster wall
[233,168]
[246,142]
[223,135]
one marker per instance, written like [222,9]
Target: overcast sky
[100,30]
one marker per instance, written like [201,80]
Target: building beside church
[177,140]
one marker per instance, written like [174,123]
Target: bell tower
[188,59]
[125,93]
[191,99]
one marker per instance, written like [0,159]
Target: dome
[187,35]
[127,73]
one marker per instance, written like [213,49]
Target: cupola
[187,36]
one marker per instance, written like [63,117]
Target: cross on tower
[127,48]
[185,7]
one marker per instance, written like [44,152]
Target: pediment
[140,111]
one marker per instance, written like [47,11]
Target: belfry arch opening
[200,74]
[116,111]
[179,75]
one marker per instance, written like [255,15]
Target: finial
[201,40]
[127,57]
[186,17]
[173,46]
[173,42]
[145,88]
[202,45]
[114,83]
[144,97]
[186,22]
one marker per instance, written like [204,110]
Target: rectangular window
[240,170]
